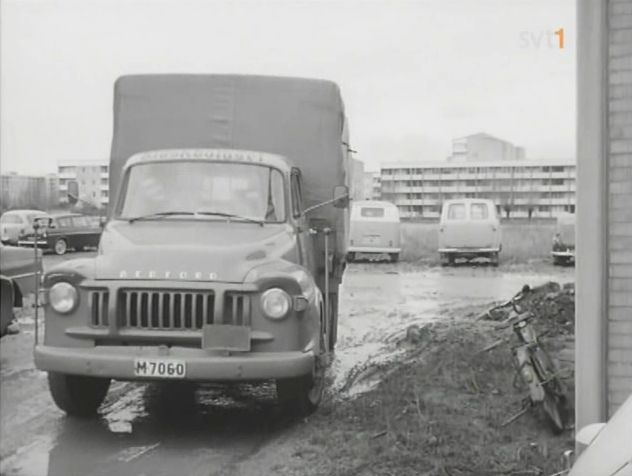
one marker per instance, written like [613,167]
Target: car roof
[22,212]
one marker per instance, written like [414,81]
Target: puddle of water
[379,304]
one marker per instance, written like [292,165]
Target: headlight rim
[75,303]
[288,301]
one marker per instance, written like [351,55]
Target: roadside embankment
[445,409]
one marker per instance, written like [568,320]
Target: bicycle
[536,368]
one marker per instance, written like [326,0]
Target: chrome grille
[169,310]
[237,309]
[98,302]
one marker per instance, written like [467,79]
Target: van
[469,228]
[374,229]
[563,251]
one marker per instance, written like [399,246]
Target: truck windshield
[213,190]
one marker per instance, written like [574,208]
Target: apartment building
[372,186]
[520,188]
[93,180]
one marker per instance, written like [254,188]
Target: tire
[494,259]
[77,395]
[60,247]
[555,408]
[351,257]
[302,395]
[555,404]
[333,325]
[6,305]
[394,257]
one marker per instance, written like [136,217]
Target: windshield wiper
[230,215]
[158,215]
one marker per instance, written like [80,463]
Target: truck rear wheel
[77,395]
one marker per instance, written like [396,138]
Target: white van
[374,229]
[469,228]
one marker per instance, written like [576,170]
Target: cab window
[456,211]
[479,211]
[297,205]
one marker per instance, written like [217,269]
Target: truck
[224,248]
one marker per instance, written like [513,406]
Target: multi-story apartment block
[372,182]
[92,178]
[521,188]
[484,147]
[356,186]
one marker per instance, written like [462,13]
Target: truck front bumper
[117,362]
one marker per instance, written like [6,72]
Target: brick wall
[619,83]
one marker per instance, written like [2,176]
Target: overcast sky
[413,74]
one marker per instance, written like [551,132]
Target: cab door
[304,237]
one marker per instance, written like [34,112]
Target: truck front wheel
[77,395]
[302,395]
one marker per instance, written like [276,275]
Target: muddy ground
[410,393]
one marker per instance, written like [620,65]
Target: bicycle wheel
[555,406]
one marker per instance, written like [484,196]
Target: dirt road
[156,430]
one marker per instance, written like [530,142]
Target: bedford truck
[224,247]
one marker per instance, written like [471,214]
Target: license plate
[162,368]
[371,240]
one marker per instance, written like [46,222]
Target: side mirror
[72,194]
[341,196]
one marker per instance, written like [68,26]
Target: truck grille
[99,302]
[169,310]
[179,310]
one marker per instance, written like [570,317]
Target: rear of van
[374,230]
[469,228]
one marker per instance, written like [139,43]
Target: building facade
[603,341]
[27,191]
[483,147]
[372,186]
[92,178]
[524,188]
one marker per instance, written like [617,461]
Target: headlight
[63,297]
[275,303]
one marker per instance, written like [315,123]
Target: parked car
[17,222]
[66,231]
[469,228]
[563,251]
[374,229]
[17,279]
[609,451]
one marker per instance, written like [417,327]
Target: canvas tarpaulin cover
[300,119]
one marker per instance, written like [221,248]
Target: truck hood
[189,251]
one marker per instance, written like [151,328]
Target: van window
[372,212]
[479,211]
[456,211]
[11,219]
